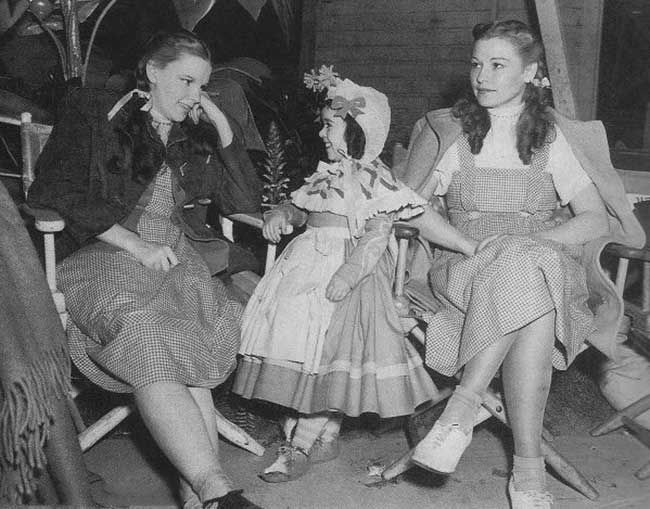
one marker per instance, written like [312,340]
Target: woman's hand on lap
[155,256]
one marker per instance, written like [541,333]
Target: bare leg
[477,375]
[203,398]
[527,373]
[480,370]
[527,382]
[177,423]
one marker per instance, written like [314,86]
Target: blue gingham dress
[514,280]
[131,326]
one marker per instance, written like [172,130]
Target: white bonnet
[368,107]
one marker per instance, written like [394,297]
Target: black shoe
[231,500]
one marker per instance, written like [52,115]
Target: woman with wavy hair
[145,315]
[510,280]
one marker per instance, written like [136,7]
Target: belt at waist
[475,214]
[320,219]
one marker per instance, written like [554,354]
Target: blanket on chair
[34,360]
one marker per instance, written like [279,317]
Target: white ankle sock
[332,428]
[308,429]
[529,473]
[461,408]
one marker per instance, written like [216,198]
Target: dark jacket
[74,174]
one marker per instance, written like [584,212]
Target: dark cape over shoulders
[77,177]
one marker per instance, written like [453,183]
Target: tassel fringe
[25,416]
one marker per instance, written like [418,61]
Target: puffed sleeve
[443,172]
[568,175]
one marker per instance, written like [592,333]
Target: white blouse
[500,151]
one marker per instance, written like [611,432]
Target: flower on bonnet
[325,78]
[541,83]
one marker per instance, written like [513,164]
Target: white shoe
[441,449]
[528,499]
[290,464]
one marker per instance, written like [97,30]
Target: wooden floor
[135,474]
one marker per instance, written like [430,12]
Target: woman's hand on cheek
[337,288]
[155,256]
[205,109]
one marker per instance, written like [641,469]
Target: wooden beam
[558,69]
[589,64]
[308,35]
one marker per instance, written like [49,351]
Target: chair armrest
[630,253]
[252,219]
[604,299]
[45,220]
[249,219]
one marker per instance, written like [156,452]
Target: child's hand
[337,288]
[276,224]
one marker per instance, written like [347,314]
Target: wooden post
[646,128]
[589,65]
[308,36]
[549,23]
[495,10]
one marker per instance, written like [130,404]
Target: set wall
[415,51]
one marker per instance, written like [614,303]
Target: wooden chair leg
[93,433]
[237,436]
[569,474]
[493,406]
[79,423]
[631,411]
[643,435]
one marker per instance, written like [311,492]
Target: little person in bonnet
[320,334]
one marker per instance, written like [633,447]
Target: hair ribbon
[345,107]
[126,98]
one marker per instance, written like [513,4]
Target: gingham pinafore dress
[514,280]
[131,326]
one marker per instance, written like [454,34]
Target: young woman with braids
[145,315]
[513,291]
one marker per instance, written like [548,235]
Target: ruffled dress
[301,350]
[516,279]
